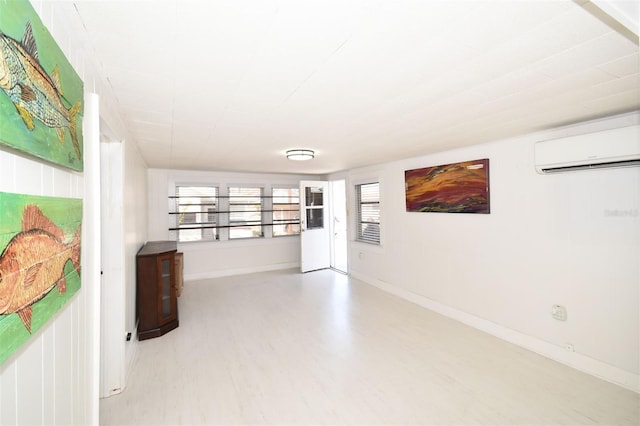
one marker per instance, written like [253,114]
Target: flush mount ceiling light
[300,154]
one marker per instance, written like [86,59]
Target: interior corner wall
[571,239]
[124,200]
[204,259]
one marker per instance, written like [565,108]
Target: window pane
[196,213]
[286,195]
[370,232]
[368,214]
[245,212]
[314,199]
[315,218]
[286,211]
[370,192]
[313,196]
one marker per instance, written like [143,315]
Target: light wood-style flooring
[323,348]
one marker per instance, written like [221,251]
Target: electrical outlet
[559,312]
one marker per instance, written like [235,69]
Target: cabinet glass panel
[166,288]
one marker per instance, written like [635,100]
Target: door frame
[340,211]
[112,287]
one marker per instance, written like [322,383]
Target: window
[245,212]
[286,211]
[314,207]
[212,212]
[368,213]
[196,213]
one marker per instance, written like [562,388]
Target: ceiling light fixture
[300,154]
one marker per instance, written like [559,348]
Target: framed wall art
[41,95]
[39,263]
[451,188]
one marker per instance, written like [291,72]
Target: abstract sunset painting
[451,188]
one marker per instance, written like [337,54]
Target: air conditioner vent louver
[606,149]
[607,165]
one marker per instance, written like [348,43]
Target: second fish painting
[39,263]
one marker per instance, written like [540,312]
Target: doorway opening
[324,230]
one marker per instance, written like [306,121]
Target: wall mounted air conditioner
[608,148]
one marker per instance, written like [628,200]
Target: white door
[315,234]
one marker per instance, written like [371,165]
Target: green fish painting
[34,93]
[33,263]
[41,95]
[40,263]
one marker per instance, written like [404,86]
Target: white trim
[575,360]
[358,204]
[91,257]
[130,356]
[623,11]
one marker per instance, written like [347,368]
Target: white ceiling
[231,85]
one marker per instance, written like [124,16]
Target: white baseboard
[557,353]
[131,353]
[240,271]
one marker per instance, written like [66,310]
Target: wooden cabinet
[156,292]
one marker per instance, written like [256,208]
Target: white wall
[52,379]
[552,239]
[48,379]
[219,258]
[135,234]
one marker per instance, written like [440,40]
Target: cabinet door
[166,292]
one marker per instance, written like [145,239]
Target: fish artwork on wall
[36,115]
[39,263]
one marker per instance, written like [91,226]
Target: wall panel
[30,365]
[52,379]
[550,239]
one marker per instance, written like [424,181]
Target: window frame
[233,223]
[375,238]
[206,226]
[274,211]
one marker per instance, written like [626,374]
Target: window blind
[368,213]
